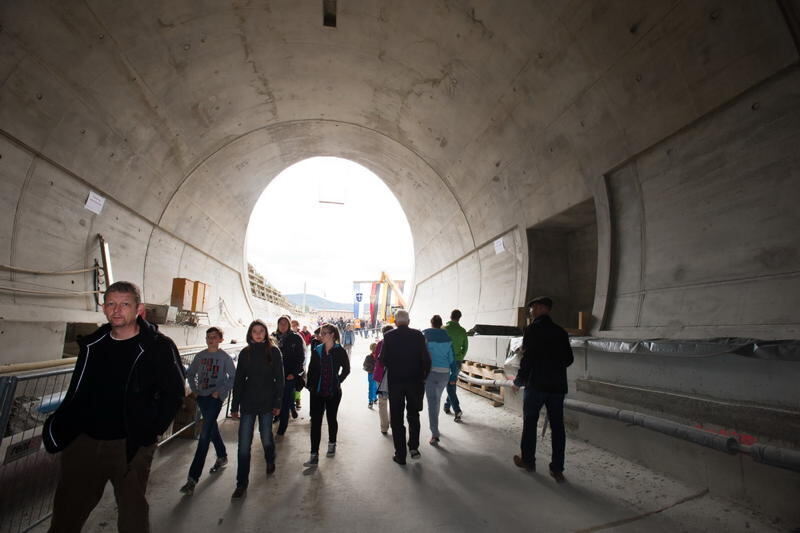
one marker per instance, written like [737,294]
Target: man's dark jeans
[287,403]
[405,397]
[532,404]
[209,408]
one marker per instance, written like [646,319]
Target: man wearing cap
[407,362]
[546,354]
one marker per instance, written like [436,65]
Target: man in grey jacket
[211,379]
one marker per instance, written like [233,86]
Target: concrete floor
[467,484]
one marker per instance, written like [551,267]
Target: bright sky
[294,238]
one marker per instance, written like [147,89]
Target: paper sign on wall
[499,246]
[94,202]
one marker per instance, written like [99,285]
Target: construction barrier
[28,474]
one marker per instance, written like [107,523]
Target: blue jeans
[373,389]
[532,404]
[209,409]
[286,406]
[434,386]
[452,397]
[247,424]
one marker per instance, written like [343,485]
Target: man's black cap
[544,300]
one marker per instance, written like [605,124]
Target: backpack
[369,364]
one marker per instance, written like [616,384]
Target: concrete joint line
[464,256]
[792,17]
[642,516]
[714,283]
[39,156]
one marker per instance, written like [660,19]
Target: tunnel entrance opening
[562,262]
[319,230]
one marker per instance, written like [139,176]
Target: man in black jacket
[546,354]
[127,385]
[405,356]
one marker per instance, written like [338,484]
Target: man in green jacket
[458,336]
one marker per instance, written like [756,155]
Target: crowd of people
[129,382]
[362,327]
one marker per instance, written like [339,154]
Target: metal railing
[28,474]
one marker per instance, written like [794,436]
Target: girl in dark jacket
[258,389]
[327,369]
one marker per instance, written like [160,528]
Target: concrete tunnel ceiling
[483,118]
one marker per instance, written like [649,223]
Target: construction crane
[397,291]
[385,290]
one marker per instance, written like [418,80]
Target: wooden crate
[482,371]
[199,297]
[182,291]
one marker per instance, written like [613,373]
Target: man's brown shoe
[522,464]
[558,476]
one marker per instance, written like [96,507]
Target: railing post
[8,385]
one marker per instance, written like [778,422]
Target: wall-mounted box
[156,314]
[199,295]
[182,292]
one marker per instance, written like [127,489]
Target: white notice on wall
[499,246]
[94,202]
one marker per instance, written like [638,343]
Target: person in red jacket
[379,375]
[306,335]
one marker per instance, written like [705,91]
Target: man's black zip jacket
[405,355]
[546,354]
[153,393]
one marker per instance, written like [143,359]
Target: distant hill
[317,302]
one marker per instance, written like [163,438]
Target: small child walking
[369,367]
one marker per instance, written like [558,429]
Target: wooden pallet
[482,371]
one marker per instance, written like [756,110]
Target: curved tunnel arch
[508,114]
[678,121]
[217,197]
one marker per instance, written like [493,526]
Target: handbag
[383,387]
[299,383]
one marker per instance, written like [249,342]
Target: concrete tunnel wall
[483,119]
[674,124]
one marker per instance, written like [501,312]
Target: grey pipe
[673,429]
[761,453]
[772,455]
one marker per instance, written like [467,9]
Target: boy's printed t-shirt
[211,372]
